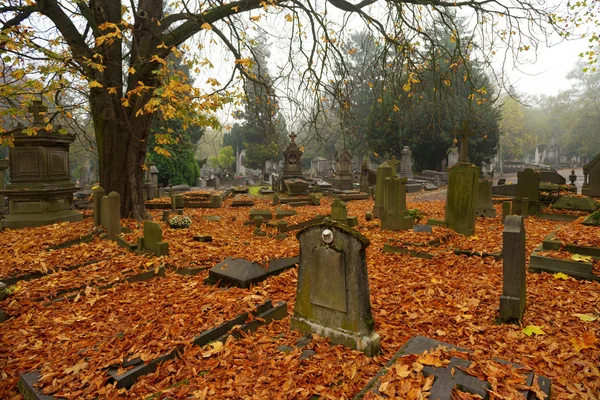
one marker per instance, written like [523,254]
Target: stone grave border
[264,314]
[388,248]
[544,383]
[73,242]
[63,294]
[314,221]
[469,253]
[576,269]
[35,275]
[556,217]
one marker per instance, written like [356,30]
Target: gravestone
[343,171]
[385,170]
[332,297]
[552,176]
[575,204]
[512,301]
[447,377]
[242,273]
[152,240]
[368,177]
[506,210]
[395,216]
[292,167]
[172,196]
[258,221]
[267,215]
[406,163]
[339,213]
[485,208]
[110,215]
[528,186]
[463,182]
[99,193]
[179,201]
[40,190]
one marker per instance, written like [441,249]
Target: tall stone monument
[40,190]
[463,182]
[385,170]
[332,297]
[591,178]
[395,215]
[452,154]
[406,163]
[368,177]
[513,299]
[292,179]
[343,171]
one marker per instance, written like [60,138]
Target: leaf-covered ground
[452,298]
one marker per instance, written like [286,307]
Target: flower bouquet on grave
[180,222]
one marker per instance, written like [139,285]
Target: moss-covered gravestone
[528,187]
[512,301]
[152,240]
[332,297]
[395,215]
[339,213]
[385,170]
[98,193]
[463,183]
[40,190]
[110,215]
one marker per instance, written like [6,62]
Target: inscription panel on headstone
[328,279]
[58,161]
[27,164]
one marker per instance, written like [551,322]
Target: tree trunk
[121,151]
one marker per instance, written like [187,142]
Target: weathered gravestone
[343,171]
[575,204]
[152,240]
[506,210]
[368,177]
[339,213]
[385,170]
[3,167]
[243,273]
[512,301]
[406,163]
[448,377]
[395,215]
[452,154]
[332,297]
[461,196]
[528,186]
[110,214]
[485,208]
[99,193]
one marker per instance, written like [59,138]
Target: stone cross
[465,132]
[512,301]
[38,109]
[393,162]
[293,137]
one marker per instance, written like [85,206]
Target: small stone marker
[166,215]
[485,208]
[449,376]
[258,220]
[395,217]
[281,213]
[111,211]
[352,222]
[506,206]
[98,193]
[512,301]
[216,201]
[430,186]
[276,199]
[179,201]
[528,187]
[339,213]
[172,196]
[152,239]
[332,297]
[368,216]
[203,238]
[316,201]
[385,170]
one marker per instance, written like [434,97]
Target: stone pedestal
[406,163]
[461,198]
[343,172]
[40,190]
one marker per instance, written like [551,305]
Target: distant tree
[224,160]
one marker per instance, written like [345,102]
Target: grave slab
[575,204]
[449,377]
[242,273]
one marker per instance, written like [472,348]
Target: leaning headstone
[339,213]
[99,193]
[395,216]
[385,170]
[152,240]
[512,301]
[528,186]
[332,297]
[485,208]
[111,212]
[406,163]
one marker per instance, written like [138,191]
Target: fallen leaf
[586,317]
[531,329]
[586,342]
[560,275]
